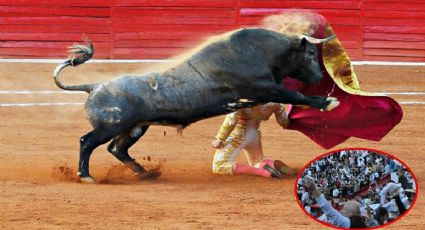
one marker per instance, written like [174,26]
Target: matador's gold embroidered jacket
[258,113]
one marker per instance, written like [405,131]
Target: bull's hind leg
[120,145]
[88,143]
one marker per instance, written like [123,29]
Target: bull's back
[236,59]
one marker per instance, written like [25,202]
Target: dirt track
[39,153]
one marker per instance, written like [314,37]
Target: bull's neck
[189,63]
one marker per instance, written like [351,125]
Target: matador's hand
[308,183]
[285,121]
[217,144]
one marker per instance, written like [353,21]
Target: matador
[241,131]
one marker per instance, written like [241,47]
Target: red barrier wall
[388,30]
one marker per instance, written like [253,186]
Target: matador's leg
[254,154]
[223,164]
[254,149]
[224,158]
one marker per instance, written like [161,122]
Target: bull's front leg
[282,95]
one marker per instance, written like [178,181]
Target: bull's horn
[317,40]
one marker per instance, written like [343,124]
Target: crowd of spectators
[382,186]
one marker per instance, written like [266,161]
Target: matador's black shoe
[284,169]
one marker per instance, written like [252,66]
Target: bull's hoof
[333,103]
[87,180]
[135,167]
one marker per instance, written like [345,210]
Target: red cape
[366,117]
[359,114]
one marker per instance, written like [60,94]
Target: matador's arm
[281,116]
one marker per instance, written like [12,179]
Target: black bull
[241,69]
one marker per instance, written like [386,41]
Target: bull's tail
[78,55]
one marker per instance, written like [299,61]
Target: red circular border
[369,149]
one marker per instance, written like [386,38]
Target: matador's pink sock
[240,169]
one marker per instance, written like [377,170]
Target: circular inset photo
[356,188]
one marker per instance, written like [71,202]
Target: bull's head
[308,68]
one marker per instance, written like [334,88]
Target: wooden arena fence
[375,30]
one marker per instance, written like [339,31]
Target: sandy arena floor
[39,153]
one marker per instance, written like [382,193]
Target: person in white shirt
[335,193]
[304,196]
[350,215]
[360,162]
